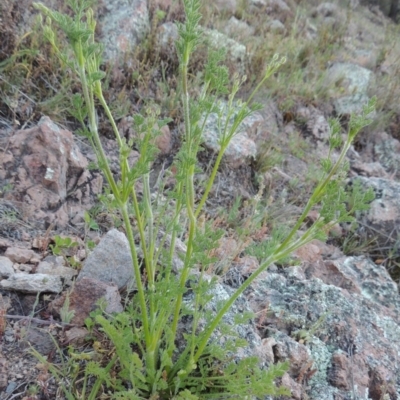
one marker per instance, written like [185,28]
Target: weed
[65,313]
[65,246]
[152,357]
[62,243]
[8,187]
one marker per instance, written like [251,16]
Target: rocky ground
[334,313]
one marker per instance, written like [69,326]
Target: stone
[124,25]
[276,26]
[65,273]
[110,262]
[241,148]
[385,149]
[236,54]
[347,305]
[6,267]
[84,298]
[349,85]
[167,35]
[44,165]
[315,122]
[326,10]
[32,283]
[39,339]
[228,6]
[382,220]
[390,8]
[19,255]
[164,140]
[236,28]
[76,336]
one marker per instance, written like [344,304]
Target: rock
[84,297]
[276,26]
[32,283]
[390,8]
[326,10]
[23,267]
[236,56]
[386,150]
[373,169]
[5,242]
[19,255]
[6,267]
[365,58]
[229,6]
[110,262]
[241,148]
[343,320]
[43,165]
[163,5]
[3,372]
[65,273]
[39,339]
[76,336]
[167,35]
[315,122]
[350,83]
[124,25]
[272,5]
[164,140]
[220,293]
[382,220]
[236,28]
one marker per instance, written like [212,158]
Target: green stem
[141,228]
[138,277]
[210,182]
[316,196]
[99,381]
[189,252]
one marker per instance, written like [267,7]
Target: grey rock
[386,151]
[241,148]
[326,10]
[382,220]
[39,339]
[348,305]
[110,261]
[238,29]
[247,330]
[6,267]
[276,26]
[66,273]
[227,6]
[236,55]
[32,283]
[315,122]
[353,82]
[389,8]
[124,25]
[19,255]
[275,5]
[167,35]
